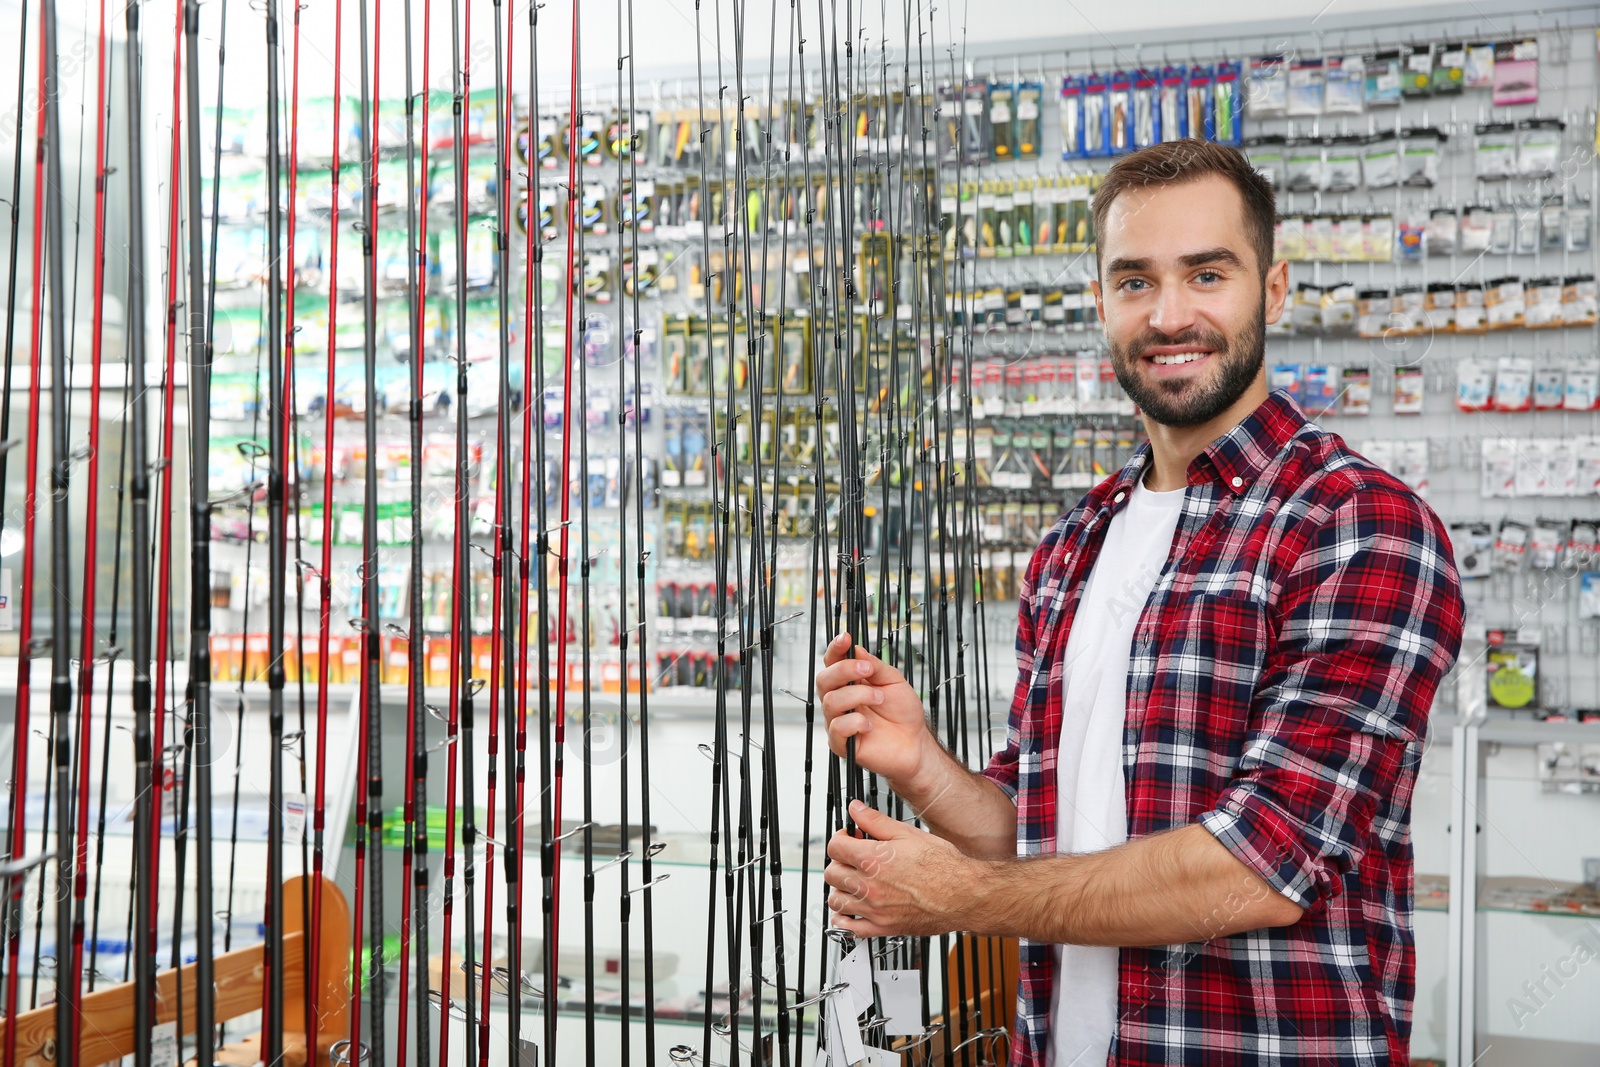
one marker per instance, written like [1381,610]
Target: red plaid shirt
[1278,694]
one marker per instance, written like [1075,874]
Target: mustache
[1211,339]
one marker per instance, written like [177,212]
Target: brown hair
[1177,162]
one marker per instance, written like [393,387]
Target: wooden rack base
[107,1014]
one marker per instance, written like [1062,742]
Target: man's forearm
[1167,889]
[964,808]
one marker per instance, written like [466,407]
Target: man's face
[1183,300]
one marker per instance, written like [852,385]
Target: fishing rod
[627,206]
[537,563]
[20,731]
[414,924]
[720,707]
[113,654]
[291,407]
[199,394]
[60,535]
[641,627]
[461,30]
[146,809]
[515,617]
[163,549]
[86,658]
[574,284]
[19,784]
[369,799]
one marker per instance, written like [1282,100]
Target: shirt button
[1120,497]
[1237,481]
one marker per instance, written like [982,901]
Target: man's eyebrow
[1118,265]
[1211,255]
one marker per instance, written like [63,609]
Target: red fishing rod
[319,805]
[573,279]
[86,659]
[20,735]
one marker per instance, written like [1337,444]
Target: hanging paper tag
[164,1044]
[900,1000]
[527,1053]
[844,1033]
[7,618]
[881,1057]
[294,814]
[855,969]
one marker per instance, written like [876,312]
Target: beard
[1194,402]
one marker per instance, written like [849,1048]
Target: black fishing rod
[276,352]
[720,705]
[513,621]
[145,808]
[60,532]
[464,590]
[199,392]
[647,843]
[372,718]
[414,848]
[537,564]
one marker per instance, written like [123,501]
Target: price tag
[164,1044]
[900,1000]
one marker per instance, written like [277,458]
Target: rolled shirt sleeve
[1364,628]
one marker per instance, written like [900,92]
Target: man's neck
[1173,448]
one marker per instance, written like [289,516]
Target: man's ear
[1099,302]
[1275,290]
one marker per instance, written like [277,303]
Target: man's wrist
[932,778]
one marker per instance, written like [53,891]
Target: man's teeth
[1178,357]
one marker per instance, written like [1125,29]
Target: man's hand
[906,881]
[869,700]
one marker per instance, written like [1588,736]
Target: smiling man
[1200,822]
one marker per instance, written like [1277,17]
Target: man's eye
[1208,277]
[1134,284]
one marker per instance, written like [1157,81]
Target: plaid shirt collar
[1233,461]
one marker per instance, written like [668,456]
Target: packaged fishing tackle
[1119,112]
[1096,117]
[1029,133]
[1267,91]
[1171,112]
[1002,121]
[1344,85]
[1383,80]
[1146,113]
[1201,120]
[1227,104]
[1072,119]
[1306,88]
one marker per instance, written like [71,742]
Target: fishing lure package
[1306,88]
[1029,128]
[1199,116]
[1171,113]
[1417,79]
[1096,116]
[1267,91]
[1344,86]
[1119,112]
[1002,122]
[1071,115]
[1227,101]
[1383,76]
[1146,112]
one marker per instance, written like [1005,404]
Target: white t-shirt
[1091,804]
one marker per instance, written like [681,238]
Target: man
[1227,656]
